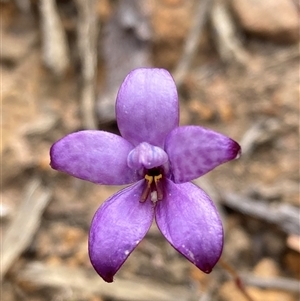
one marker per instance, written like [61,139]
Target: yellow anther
[157,178]
[153,184]
[149,179]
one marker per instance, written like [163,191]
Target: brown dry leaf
[267,267]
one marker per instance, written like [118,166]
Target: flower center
[153,185]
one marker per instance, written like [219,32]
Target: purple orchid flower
[162,158]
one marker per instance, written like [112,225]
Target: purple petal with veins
[193,151]
[147,106]
[91,156]
[117,228]
[190,222]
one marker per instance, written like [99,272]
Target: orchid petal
[190,222]
[146,156]
[147,106]
[92,156]
[117,227]
[194,151]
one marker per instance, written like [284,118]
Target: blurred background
[236,66]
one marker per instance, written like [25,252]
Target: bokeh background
[236,66]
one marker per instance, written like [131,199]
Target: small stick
[87,39]
[24,225]
[237,279]
[278,283]
[259,133]
[54,41]
[192,41]
[229,46]
[284,216]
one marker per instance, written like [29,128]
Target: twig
[228,45]
[87,38]
[260,133]
[192,41]
[283,215]
[24,225]
[76,279]
[237,279]
[55,48]
[279,283]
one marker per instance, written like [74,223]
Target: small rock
[276,20]
[266,268]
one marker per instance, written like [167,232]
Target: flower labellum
[158,159]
